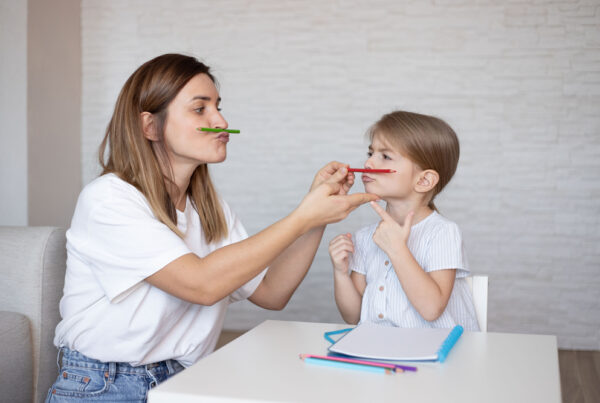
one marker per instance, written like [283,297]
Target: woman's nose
[217,120]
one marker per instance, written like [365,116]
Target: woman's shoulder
[110,190]
[109,185]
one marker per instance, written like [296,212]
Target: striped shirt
[436,244]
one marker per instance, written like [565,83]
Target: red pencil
[375,171]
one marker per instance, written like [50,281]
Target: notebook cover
[369,340]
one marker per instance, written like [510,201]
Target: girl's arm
[348,288]
[288,270]
[428,292]
[209,279]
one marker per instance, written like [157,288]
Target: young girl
[407,270]
[154,256]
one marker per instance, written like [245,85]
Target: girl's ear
[149,126]
[427,181]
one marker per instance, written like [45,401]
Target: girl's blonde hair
[426,140]
[138,161]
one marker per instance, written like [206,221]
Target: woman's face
[195,106]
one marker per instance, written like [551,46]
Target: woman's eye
[219,109]
[199,110]
[369,154]
[385,157]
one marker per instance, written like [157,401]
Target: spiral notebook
[369,340]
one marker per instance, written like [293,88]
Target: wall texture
[13,112]
[40,111]
[53,110]
[518,80]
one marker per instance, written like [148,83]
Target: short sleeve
[446,250]
[237,233]
[358,259]
[115,232]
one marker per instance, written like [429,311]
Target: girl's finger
[382,213]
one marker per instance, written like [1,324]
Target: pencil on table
[347,365]
[344,362]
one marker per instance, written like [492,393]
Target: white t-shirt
[108,311]
[436,244]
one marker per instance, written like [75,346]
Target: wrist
[340,273]
[299,222]
[400,253]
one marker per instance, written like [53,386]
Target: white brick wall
[518,80]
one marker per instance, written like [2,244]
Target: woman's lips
[223,137]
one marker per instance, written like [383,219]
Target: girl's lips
[223,137]
[366,178]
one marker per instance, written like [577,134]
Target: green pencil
[206,129]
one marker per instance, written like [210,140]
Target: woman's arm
[288,270]
[208,280]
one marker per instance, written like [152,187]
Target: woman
[155,256]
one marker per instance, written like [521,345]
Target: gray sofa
[32,271]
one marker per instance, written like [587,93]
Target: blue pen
[338,364]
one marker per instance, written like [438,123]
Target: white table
[262,365]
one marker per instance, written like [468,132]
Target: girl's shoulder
[436,224]
[365,233]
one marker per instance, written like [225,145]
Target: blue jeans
[83,378]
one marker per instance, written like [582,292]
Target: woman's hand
[389,234]
[328,171]
[328,201]
[340,249]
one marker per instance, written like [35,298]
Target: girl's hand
[340,249]
[328,202]
[328,171]
[389,234]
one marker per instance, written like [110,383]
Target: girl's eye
[199,110]
[369,154]
[385,157]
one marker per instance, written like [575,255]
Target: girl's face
[398,185]
[195,106]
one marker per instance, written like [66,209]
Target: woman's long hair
[426,140]
[138,161]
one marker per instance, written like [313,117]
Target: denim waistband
[74,358]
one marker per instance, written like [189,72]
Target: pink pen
[393,367]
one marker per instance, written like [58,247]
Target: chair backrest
[32,272]
[479,289]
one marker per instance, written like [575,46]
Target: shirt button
[380,288]
[380,316]
[386,262]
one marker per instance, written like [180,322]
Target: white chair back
[479,289]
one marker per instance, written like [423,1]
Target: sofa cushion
[16,379]
[32,274]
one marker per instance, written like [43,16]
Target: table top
[263,365]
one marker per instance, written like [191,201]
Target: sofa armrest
[16,357]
